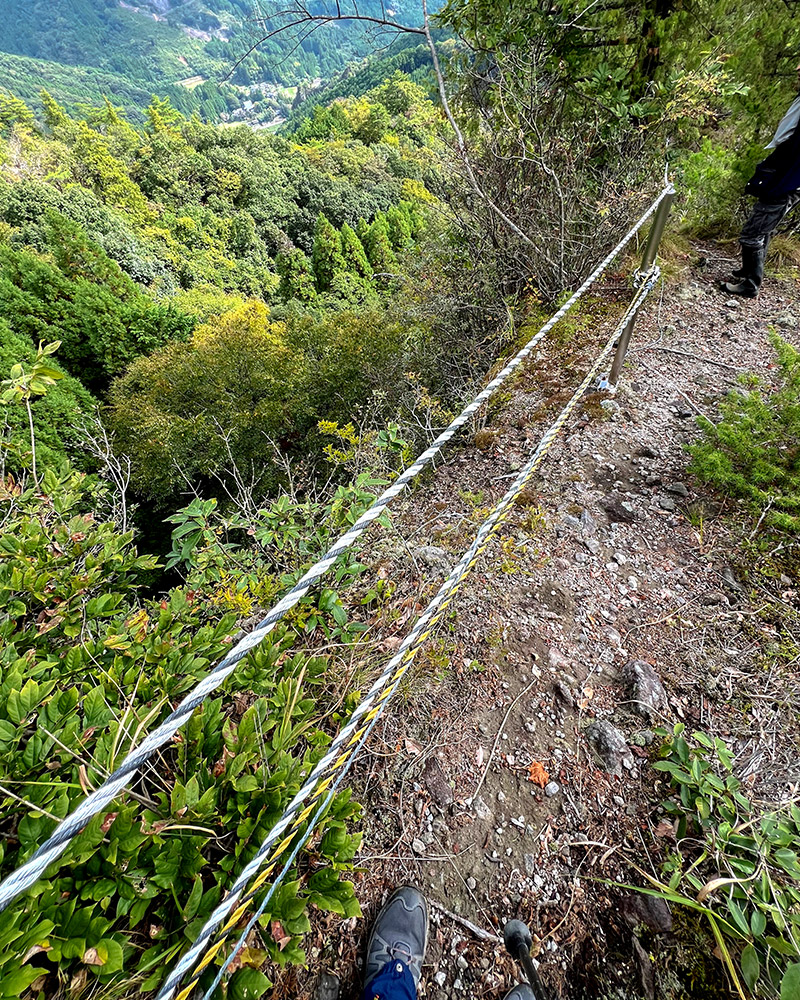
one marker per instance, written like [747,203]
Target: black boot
[750,274]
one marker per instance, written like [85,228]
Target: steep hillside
[196,53]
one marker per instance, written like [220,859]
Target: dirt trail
[615,556]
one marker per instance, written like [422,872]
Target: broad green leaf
[790,984]
[751,966]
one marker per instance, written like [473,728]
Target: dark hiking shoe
[400,932]
[746,289]
[521,992]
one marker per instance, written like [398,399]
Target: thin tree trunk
[33,441]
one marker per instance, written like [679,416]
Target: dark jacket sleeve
[778,175]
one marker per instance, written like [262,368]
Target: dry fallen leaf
[479,756]
[90,957]
[537,774]
[35,950]
[413,749]
[279,935]
[105,826]
[586,696]
[665,829]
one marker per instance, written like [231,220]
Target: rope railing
[327,774]
[68,828]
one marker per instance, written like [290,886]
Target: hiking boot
[750,274]
[745,288]
[400,933]
[521,992]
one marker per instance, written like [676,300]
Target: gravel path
[529,696]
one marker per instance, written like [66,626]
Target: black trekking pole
[518,944]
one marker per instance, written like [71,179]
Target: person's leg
[396,948]
[754,240]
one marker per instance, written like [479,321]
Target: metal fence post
[648,259]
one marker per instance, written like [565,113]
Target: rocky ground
[512,777]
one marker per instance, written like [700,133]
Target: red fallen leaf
[537,774]
[105,826]
[279,935]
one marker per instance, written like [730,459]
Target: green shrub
[79,296]
[734,863]
[754,451]
[57,415]
[86,667]
[713,179]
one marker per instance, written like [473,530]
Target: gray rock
[552,788]
[588,524]
[665,502]
[570,522]
[787,320]
[610,405]
[327,988]
[592,545]
[732,303]
[530,864]
[481,810]
[433,557]
[645,688]
[471,883]
[618,509]
[677,489]
[611,746]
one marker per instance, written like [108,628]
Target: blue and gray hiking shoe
[521,992]
[399,934]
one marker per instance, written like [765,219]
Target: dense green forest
[217,344]
[196,54]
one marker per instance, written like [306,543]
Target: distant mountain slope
[198,50]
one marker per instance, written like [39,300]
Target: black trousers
[764,219]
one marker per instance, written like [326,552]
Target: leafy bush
[86,666]
[753,452]
[735,864]
[713,178]
[213,409]
[79,296]
[57,415]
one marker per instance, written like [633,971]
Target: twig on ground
[692,357]
[479,933]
